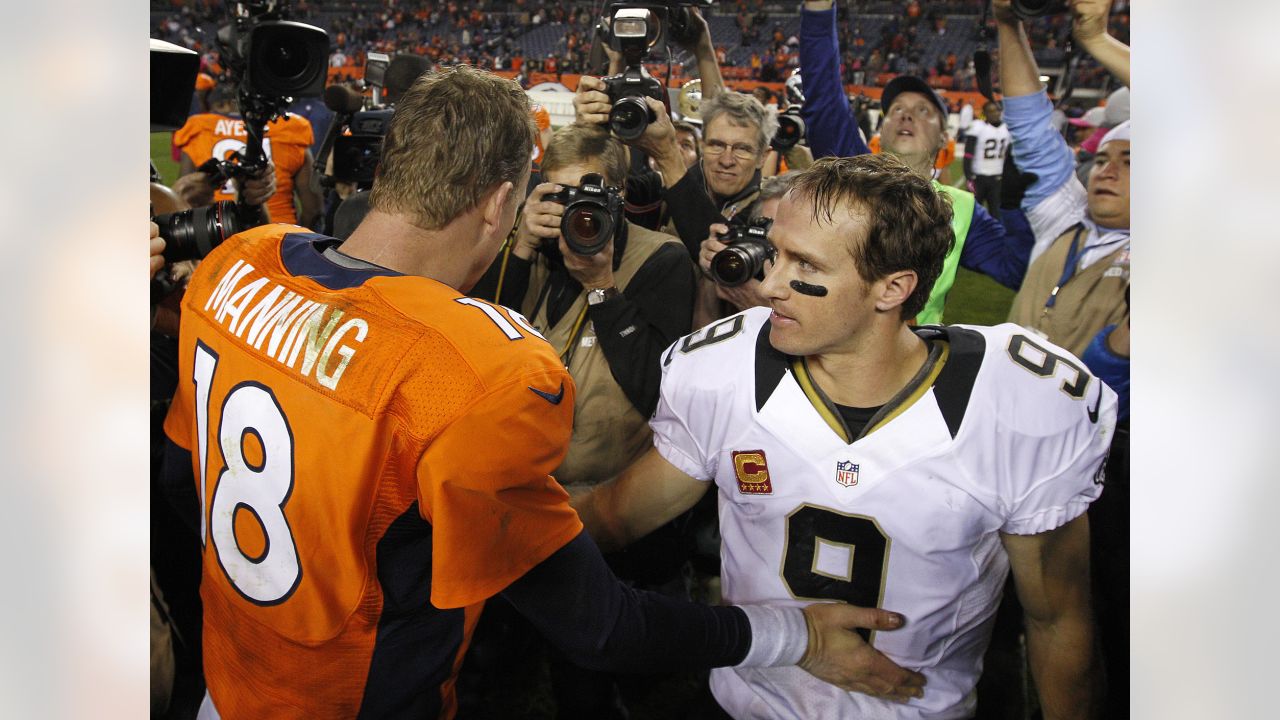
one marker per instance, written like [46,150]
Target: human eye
[715,146]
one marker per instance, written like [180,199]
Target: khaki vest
[608,432]
[1092,299]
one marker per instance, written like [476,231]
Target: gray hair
[744,111]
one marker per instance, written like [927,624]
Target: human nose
[773,287]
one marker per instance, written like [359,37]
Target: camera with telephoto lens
[790,130]
[592,214]
[192,234]
[749,247]
[1027,9]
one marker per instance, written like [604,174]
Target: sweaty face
[730,156]
[912,128]
[1109,185]
[816,253]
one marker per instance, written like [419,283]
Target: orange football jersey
[372,455]
[541,118]
[287,140]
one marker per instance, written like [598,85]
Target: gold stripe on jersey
[939,351]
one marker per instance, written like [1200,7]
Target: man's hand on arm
[1051,572]
[1089,27]
[837,653]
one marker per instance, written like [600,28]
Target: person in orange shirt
[364,452]
[541,119]
[287,145]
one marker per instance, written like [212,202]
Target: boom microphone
[343,99]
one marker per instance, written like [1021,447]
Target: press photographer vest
[608,432]
[1088,301]
[961,216]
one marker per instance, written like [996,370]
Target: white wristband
[779,636]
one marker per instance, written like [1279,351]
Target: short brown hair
[581,143]
[455,135]
[909,224]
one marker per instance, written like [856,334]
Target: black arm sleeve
[178,484]
[970,147]
[575,601]
[634,328]
[692,210]
[998,250]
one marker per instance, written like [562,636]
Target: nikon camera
[592,214]
[749,247]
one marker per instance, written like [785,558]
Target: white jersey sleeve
[1051,432]
[700,377]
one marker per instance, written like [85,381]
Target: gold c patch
[752,472]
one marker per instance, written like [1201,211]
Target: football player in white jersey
[863,460]
[985,147]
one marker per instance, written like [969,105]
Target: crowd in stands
[754,40]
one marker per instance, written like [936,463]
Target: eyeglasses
[714,148]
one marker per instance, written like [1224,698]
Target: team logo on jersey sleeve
[752,472]
[847,473]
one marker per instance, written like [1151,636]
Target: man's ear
[492,207]
[894,289]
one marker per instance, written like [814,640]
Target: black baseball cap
[911,83]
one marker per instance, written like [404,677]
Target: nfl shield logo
[847,473]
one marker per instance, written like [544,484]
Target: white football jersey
[991,147]
[999,432]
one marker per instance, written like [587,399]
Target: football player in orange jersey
[287,145]
[365,451]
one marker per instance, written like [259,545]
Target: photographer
[715,300]
[736,134]
[610,315]
[914,131]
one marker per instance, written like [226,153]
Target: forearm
[708,68]
[1112,55]
[1062,662]
[1019,74]
[829,124]
[997,250]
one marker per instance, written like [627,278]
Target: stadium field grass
[975,299]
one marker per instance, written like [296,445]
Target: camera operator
[288,146]
[610,315]
[914,131]
[716,300]
[737,130]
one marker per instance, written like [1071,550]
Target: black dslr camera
[1027,9]
[192,234]
[633,31]
[749,247]
[790,130]
[592,214]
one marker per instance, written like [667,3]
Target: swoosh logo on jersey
[553,399]
[1093,411]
